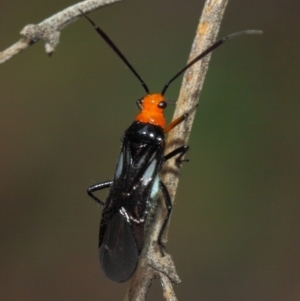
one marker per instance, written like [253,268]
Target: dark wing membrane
[136,171]
[118,251]
[142,144]
[129,194]
[121,234]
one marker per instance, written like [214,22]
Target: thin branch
[152,265]
[49,29]
[192,84]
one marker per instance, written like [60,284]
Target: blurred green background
[235,232]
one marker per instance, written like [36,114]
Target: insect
[136,183]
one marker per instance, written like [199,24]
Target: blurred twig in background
[49,29]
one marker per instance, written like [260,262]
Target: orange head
[152,110]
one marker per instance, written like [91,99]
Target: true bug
[136,182]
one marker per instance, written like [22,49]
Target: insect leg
[175,122]
[169,207]
[96,187]
[180,150]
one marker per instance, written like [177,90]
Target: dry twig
[49,29]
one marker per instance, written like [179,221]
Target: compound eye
[162,104]
[139,103]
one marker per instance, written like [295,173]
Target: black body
[123,218]
[135,187]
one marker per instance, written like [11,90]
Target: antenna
[196,59]
[207,51]
[116,50]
